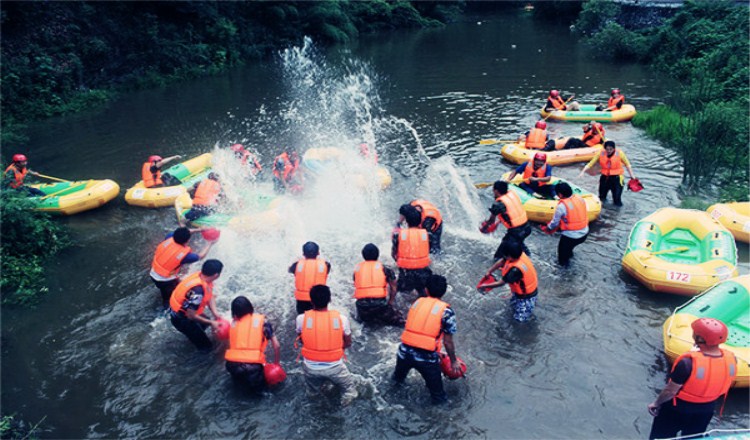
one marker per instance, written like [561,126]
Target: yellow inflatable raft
[260,214]
[517,153]
[542,210]
[735,217]
[588,113]
[681,251]
[187,172]
[68,198]
[729,302]
[317,160]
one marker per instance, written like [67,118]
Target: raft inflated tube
[188,173]
[68,198]
[655,255]
[265,218]
[735,217]
[729,302]
[517,153]
[542,210]
[589,113]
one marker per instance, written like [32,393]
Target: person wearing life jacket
[325,334]
[518,272]
[507,211]
[206,195]
[536,176]
[191,296]
[431,322]
[556,102]
[308,271]
[375,289]
[613,163]
[537,138]
[286,170]
[247,159]
[368,153]
[151,172]
[697,381]
[16,173]
[571,217]
[432,221]
[411,250]
[249,336]
[171,254]
[593,134]
[615,102]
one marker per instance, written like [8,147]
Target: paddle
[669,251]
[54,193]
[51,178]
[550,113]
[483,185]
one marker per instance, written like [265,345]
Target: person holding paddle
[555,102]
[613,163]
[16,173]
[536,176]
[615,102]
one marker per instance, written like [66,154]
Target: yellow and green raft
[588,113]
[735,217]
[68,198]
[188,172]
[542,210]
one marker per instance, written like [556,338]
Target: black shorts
[413,279]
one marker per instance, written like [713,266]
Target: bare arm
[276,350]
[347,340]
[450,348]
[392,290]
[190,313]
[667,394]
[165,161]
[202,254]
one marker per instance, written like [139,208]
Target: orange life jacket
[290,168]
[309,273]
[529,282]
[322,336]
[594,135]
[150,179]
[611,166]
[427,209]
[536,139]
[557,102]
[530,171]
[168,257]
[576,217]
[247,157]
[413,249]
[207,192]
[247,343]
[710,377]
[612,104]
[180,292]
[423,324]
[18,176]
[514,209]
[369,280]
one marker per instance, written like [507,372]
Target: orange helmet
[713,331]
[541,125]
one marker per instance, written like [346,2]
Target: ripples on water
[592,355]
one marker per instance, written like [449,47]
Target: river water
[97,358]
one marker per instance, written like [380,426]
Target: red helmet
[615,91]
[713,331]
[154,158]
[19,158]
[237,147]
[541,124]
[445,366]
[211,234]
[540,156]
[274,374]
[554,93]
[222,331]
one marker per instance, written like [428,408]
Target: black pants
[548,191]
[434,238]
[430,372]
[574,143]
[413,279]
[249,377]
[565,248]
[671,420]
[611,183]
[194,330]
[303,306]
[519,234]
[169,180]
[378,311]
[166,288]
[198,211]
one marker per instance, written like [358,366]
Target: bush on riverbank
[29,239]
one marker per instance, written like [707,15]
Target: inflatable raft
[68,198]
[735,217]
[518,154]
[188,172]
[542,210]
[258,214]
[729,302]
[588,113]
[681,251]
[319,160]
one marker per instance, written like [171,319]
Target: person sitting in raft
[537,138]
[508,211]
[432,221]
[611,160]
[615,102]
[190,298]
[519,273]
[375,290]
[170,256]
[16,173]
[247,159]
[206,195]
[151,172]
[367,153]
[308,271]
[593,134]
[286,170]
[536,176]
[411,250]
[248,338]
[572,218]
[555,102]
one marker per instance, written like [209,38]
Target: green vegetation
[14,429]
[704,47]
[29,239]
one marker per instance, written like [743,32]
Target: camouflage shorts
[523,308]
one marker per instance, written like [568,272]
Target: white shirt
[317,365]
